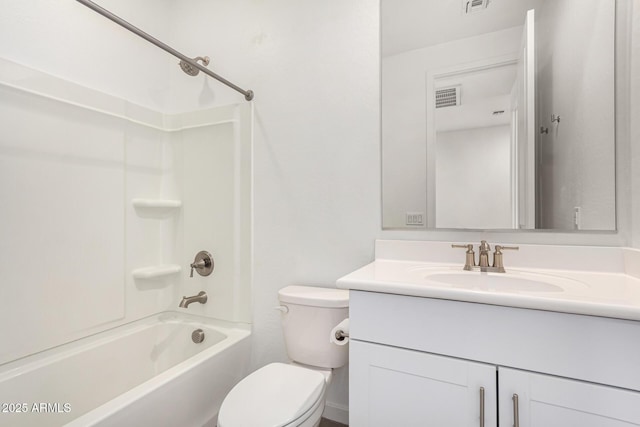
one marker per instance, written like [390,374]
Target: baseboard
[336,412]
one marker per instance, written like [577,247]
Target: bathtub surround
[111,195]
[76,164]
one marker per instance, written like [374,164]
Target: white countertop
[613,293]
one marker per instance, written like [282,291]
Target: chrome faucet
[483,257]
[201,298]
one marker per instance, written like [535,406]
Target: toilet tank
[311,314]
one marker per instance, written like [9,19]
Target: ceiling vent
[448,97]
[474,6]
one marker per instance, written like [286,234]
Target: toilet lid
[272,396]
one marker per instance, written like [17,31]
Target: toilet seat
[275,395]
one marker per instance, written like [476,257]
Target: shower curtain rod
[248,94]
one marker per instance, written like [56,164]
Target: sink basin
[493,282]
[511,281]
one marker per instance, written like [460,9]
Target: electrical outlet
[414,218]
[577,221]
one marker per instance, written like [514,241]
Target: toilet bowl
[293,395]
[275,395]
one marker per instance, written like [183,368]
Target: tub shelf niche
[156,203]
[156,271]
[156,208]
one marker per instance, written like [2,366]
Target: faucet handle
[198,265]
[470,258]
[500,248]
[497,256]
[468,247]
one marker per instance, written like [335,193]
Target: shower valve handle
[200,264]
[203,264]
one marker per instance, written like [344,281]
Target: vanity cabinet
[399,387]
[394,386]
[549,401]
[423,362]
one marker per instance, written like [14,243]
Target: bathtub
[146,373]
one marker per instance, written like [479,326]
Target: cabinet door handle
[481,406]
[516,413]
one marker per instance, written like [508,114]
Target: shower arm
[248,94]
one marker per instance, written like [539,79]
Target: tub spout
[201,298]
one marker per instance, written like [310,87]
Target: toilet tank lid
[315,296]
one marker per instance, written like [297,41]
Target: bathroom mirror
[498,114]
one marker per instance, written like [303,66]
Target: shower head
[190,69]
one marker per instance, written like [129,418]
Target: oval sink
[512,281]
[493,282]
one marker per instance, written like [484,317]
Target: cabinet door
[390,386]
[547,401]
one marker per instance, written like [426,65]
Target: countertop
[594,293]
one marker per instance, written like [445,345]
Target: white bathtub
[147,373]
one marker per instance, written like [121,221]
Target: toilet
[293,394]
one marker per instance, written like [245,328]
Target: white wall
[68,40]
[575,76]
[404,126]
[314,69]
[473,178]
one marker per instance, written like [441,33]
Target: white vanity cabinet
[422,362]
[398,387]
[549,401]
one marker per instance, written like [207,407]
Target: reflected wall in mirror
[498,114]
